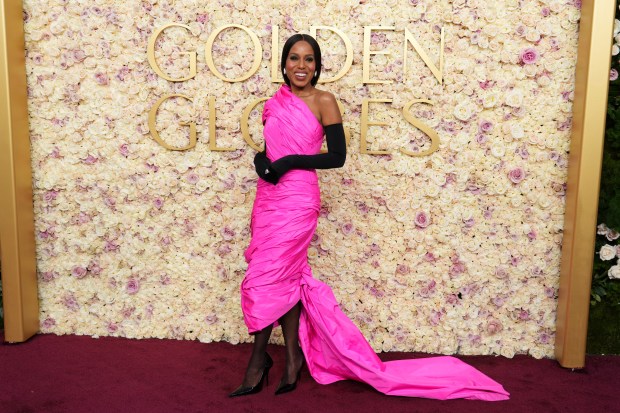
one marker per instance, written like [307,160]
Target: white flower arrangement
[456,252]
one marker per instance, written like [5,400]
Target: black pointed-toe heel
[289,387]
[245,391]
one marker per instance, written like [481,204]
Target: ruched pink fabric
[284,218]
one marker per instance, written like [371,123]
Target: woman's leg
[256,365]
[294,356]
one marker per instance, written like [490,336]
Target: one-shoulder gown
[284,218]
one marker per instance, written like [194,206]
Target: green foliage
[604,288]
[609,198]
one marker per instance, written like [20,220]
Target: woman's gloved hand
[263,168]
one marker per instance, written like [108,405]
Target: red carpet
[80,374]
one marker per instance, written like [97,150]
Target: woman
[279,287]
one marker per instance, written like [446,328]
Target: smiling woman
[279,286]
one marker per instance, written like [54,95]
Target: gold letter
[212,144]
[347,42]
[438,73]
[153,114]
[366,122]
[367,52]
[245,130]
[423,127]
[151,55]
[258,53]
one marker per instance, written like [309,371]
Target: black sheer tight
[256,364]
[294,356]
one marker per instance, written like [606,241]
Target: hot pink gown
[284,218]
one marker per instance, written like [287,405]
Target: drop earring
[315,73]
[284,71]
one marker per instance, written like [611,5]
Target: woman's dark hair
[317,55]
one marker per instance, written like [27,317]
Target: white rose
[490,100]
[573,15]
[514,98]
[614,272]
[516,130]
[463,111]
[532,35]
[607,252]
[498,150]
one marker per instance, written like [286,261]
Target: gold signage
[151,55]
[276,78]
[258,53]
[155,134]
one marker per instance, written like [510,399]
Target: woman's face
[300,64]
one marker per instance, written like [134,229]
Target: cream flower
[514,98]
[614,272]
[463,111]
[118,214]
[607,252]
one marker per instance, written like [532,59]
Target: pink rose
[102,79]
[422,220]
[402,269]
[227,233]
[83,218]
[48,323]
[164,279]
[347,228]
[494,326]
[529,56]
[516,175]
[79,55]
[78,272]
[211,319]
[89,160]
[193,178]
[133,286]
[94,268]
[613,74]
[223,250]
[524,315]
[49,196]
[544,338]
[601,229]
[485,126]
[110,246]
[501,273]
[48,275]
[71,302]
[112,327]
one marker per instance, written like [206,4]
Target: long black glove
[334,158]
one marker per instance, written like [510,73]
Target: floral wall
[454,252]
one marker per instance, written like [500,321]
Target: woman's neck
[306,91]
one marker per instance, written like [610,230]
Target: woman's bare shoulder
[325,97]
[328,107]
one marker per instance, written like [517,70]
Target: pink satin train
[284,218]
